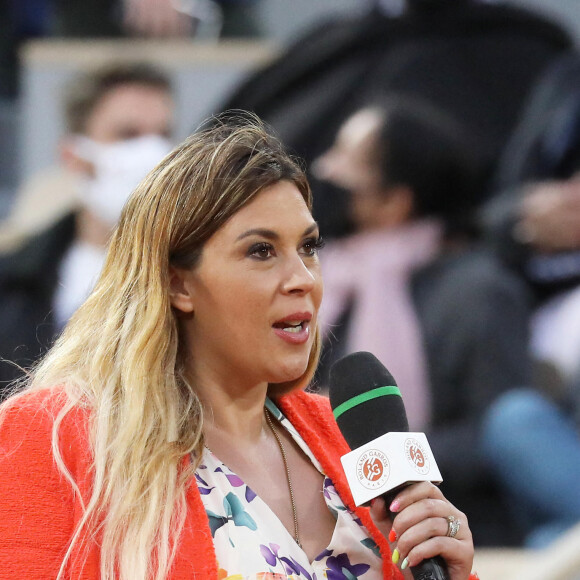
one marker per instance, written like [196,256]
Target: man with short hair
[118,124]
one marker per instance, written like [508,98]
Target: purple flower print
[202,485]
[270,554]
[328,488]
[340,568]
[200,480]
[250,494]
[332,498]
[322,555]
[292,566]
[234,480]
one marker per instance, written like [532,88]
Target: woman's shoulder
[27,420]
[38,405]
[41,398]
[37,496]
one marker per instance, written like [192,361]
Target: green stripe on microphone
[364,397]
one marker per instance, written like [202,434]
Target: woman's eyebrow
[271,234]
[311,228]
[263,232]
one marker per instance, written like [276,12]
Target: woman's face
[351,165]
[255,294]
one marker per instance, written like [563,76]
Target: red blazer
[39,509]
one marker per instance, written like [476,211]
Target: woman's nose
[299,278]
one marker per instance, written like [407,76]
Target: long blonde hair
[121,354]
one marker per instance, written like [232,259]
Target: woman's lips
[294,329]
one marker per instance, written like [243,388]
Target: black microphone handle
[434,568]
[431,569]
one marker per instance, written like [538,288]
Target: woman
[413,285]
[193,350]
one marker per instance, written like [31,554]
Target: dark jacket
[545,146]
[28,280]
[474,317]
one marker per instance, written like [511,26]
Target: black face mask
[332,209]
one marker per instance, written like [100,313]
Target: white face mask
[119,168]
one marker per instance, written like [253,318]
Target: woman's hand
[421,529]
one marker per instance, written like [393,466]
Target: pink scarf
[373,268]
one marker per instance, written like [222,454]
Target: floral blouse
[251,543]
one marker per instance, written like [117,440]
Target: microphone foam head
[365,399]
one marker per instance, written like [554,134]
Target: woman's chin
[290,372]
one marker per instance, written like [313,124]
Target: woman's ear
[180,292]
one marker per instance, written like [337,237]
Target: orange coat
[39,510]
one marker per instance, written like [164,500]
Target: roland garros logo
[416,456]
[372,469]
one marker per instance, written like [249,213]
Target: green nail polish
[404,564]
[396,556]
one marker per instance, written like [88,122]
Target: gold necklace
[283,452]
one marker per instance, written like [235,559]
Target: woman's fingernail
[405,563]
[396,556]
[395,506]
[392,536]
[373,501]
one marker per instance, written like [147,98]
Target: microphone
[367,404]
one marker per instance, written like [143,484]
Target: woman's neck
[234,416]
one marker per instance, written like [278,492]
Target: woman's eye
[262,251]
[312,246]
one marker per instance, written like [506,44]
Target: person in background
[413,286]
[23,20]
[118,122]
[532,218]
[475,59]
[532,435]
[167,434]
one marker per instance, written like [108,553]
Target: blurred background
[488,147]
[203,72]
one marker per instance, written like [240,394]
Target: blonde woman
[167,433]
